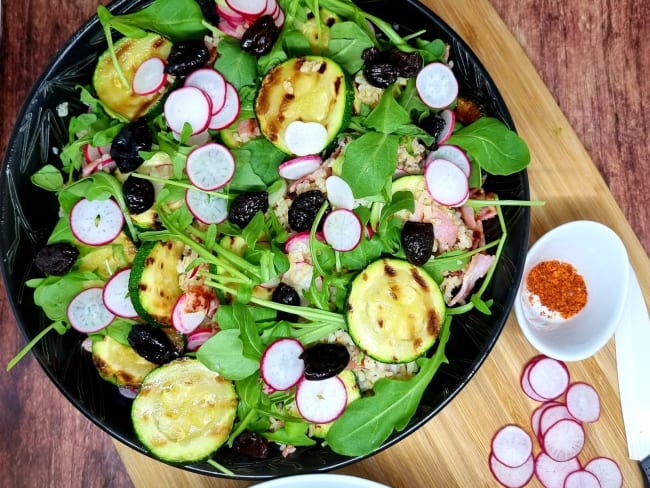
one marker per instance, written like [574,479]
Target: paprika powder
[558,286]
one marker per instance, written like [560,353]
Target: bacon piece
[476,269]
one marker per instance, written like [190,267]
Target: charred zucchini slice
[395,311]
[184,411]
[104,260]
[120,364]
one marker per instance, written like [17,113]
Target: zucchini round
[120,364]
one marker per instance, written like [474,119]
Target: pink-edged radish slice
[525,385]
[607,471]
[248,8]
[321,401]
[96,222]
[87,313]
[188,105]
[512,477]
[184,321]
[552,415]
[281,366]
[583,401]
[296,168]
[512,445]
[549,378]
[437,85]
[552,473]
[339,192]
[581,479]
[230,111]
[210,167]
[228,14]
[212,83]
[91,153]
[303,138]
[197,338]
[129,393]
[149,77]
[454,154]
[116,295]
[537,415]
[196,139]
[298,243]
[564,439]
[272,7]
[449,117]
[206,208]
[342,229]
[230,30]
[446,183]
[279,18]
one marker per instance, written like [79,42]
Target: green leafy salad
[270,212]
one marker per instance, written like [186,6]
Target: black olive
[245,206]
[186,56]
[304,208]
[209,11]
[417,242]
[152,343]
[286,295]
[408,64]
[132,138]
[251,444]
[56,259]
[260,37]
[139,194]
[369,54]
[433,124]
[324,360]
[380,74]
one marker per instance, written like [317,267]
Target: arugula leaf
[388,115]
[55,292]
[292,433]
[346,44]
[48,177]
[235,64]
[224,353]
[369,162]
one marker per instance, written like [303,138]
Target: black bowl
[27,215]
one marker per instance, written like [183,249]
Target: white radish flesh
[449,117]
[564,440]
[229,112]
[206,208]
[342,229]
[116,295]
[454,154]
[583,401]
[581,479]
[607,471]
[296,168]
[149,77]
[303,138]
[188,105]
[229,15]
[197,338]
[87,313]
[512,477]
[339,192]
[212,83]
[321,401]
[525,385]
[446,183]
[549,378]
[281,366]
[184,321]
[248,8]
[279,18]
[552,473]
[512,445]
[537,415]
[91,153]
[210,166]
[551,416]
[96,222]
[437,85]
[229,29]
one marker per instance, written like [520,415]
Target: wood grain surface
[593,57]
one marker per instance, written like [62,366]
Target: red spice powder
[559,286]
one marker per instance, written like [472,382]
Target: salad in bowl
[271,215]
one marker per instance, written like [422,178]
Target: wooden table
[595,61]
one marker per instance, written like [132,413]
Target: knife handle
[645,469]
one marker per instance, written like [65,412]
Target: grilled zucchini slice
[104,260]
[120,364]
[395,311]
[184,411]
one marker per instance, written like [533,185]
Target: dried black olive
[286,295]
[324,360]
[186,56]
[139,194]
[408,64]
[251,444]
[245,206]
[433,124]
[260,37]
[56,259]
[380,74]
[417,242]
[304,208]
[132,138]
[369,54]
[152,343]
[209,11]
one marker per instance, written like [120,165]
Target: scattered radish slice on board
[96,222]
[512,445]
[207,208]
[281,365]
[229,112]
[303,138]
[437,85]
[581,479]
[551,416]
[454,154]
[537,415]
[339,192]
[607,471]
[449,117]
[526,387]
[210,166]
[564,440]
[183,321]
[87,313]
[188,105]
[321,401]
[552,473]
[512,477]
[248,8]
[446,183]
[212,83]
[149,77]
[549,378]
[116,295]
[296,168]
[342,229]
[583,401]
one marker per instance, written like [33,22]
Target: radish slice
[564,440]
[339,192]
[512,445]
[183,321]
[227,28]
[537,415]
[188,105]
[342,229]
[248,8]
[581,479]
[446,183]
[583,402]
[549,378]
[96,222]
[212,83]
[279,18]
[303,138]
[116,295]
[229,112]
[210,167]
[272,7]
[149,77]
[454,154]
[296,168]
[525,385]
[437,85]
[551,416]
[196,139]
[321,401]
[87,313]
[206,208]
[129,393]
[512,477]
[552,473]
[281,366]
[298,243]
[228,14]
[449,117]
[607,471]
[91,153]
[197,338]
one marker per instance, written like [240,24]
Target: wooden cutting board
[453,448]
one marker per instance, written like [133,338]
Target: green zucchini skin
[119,364]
